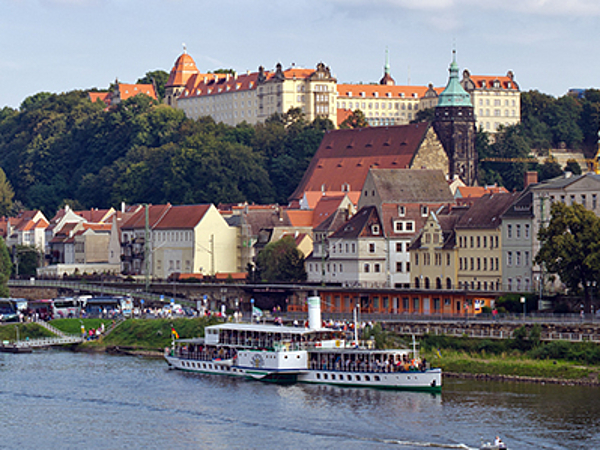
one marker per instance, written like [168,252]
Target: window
[424,210]
[447,259]
[399,267]
[509,231]
[472,242]
[518,258]
[377,267]
[401,211]
[526,259]
[407,267]
[478,241]
[416,259]
[398,226]
[593,201]
[354,247]
[371,247]
[484,241]
[478,263]
[484,263]
[518,231]
[509,258]
[375,229]
[583,201]
[472,263]
[367,268]
[409,226]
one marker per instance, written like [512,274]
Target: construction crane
[593,164]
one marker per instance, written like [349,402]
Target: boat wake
[412,444]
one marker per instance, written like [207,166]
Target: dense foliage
[546,123]
[526,341]
[570,247]
[63,149]
[280,261]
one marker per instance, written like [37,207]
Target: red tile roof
[300,217]
[345,156]
[371,91]
[163,217]
[131,90]
[182,70]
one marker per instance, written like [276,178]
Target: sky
[64,45]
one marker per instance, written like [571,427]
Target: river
[59,399]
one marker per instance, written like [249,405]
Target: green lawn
[8,332]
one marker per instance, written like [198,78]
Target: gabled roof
[522,206]
[565,180]
[314,197]
[411,185]
[300,217]
[138,220]
[333,222]
[506,82]
[486,211]
[96,215]
[360,225]
[131,90]
[345,156]
[182,217]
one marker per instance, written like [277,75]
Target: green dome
[454,94]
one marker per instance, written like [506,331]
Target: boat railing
[365,367]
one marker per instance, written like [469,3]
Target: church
[343,160]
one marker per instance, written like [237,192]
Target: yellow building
[496,99]
[252,97]
[479,243]
[433,254]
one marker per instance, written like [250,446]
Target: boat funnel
[314,312]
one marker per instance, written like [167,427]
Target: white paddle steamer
[310,355]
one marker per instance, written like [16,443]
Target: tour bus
[43,308]
[109,306]
[66,307]
[8,310]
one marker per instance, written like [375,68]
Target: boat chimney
[314,312]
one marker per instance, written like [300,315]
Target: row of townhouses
[407,229]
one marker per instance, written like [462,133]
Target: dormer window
[375,229]
[362,94]
[401,210]
[350,94]
[424,210]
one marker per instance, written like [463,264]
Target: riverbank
[148,338]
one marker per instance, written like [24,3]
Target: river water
[58,399]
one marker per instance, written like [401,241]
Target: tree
[158,78]
[570,247]
[424,115]
[355,120]
[281,261]
[6,195]
[5,269]
[27,260]
[573,167]
[550,169]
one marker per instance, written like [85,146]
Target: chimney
[531,177]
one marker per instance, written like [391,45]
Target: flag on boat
[174,333]
[257,311]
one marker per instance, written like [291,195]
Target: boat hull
[428,380]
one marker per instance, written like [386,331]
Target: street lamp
[524,306]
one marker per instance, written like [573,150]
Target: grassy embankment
[8,331]
[138,334]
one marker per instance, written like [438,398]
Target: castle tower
[182,71]
[454,124]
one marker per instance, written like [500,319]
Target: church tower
[454,124]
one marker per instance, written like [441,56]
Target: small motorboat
[496,445]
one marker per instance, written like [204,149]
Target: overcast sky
[62,45]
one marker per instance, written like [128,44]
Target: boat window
[324,376]
[318,376]
[376,377]
[367,378]
[349,377]
[357,377]
[333,376]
